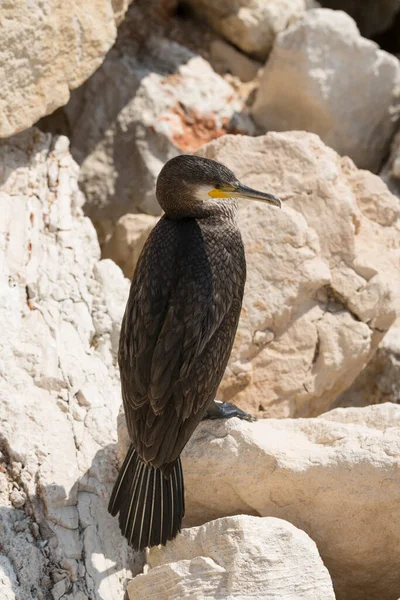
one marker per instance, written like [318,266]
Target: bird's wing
[174,309]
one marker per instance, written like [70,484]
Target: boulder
[323,282]
[390,171]
[335,477]
[236,557]
[379,382]
[140,109]
[226,59]
[60,313]
[251,25]
[49,48]
[127,241]
[372,17]
[322,76]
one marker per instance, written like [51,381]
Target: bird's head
[191,186]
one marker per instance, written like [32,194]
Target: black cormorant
[176,337]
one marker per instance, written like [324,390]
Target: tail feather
[150,506]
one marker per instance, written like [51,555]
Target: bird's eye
[217,186]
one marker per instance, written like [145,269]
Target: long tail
[151,507]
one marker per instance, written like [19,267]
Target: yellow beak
[242,191]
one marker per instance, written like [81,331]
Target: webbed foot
[226,410]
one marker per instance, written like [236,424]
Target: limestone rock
[323,281]
[225,58]
[8,580]
[236,557]
[380,381]
[60,314]
[390,172]
[372,17]
[137,112]
[49,48]
[335,477]
[322,76]
[251,25]
[127,241]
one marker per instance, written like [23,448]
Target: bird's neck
[222,209]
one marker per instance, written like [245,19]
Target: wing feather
[175,314]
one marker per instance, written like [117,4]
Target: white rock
[335,477]
[49,48]
[380,381]
[323,282]
[137,112]
[22,563]
[322,76]
[236,557]
[249,24]
[225,57]
[372,17]
[390,171]
[8,579]
[127,241]
[59,385]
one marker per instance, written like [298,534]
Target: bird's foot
[227,410]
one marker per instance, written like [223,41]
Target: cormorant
[176,337]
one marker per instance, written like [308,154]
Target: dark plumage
[176,337]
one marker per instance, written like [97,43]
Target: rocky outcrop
[335,477]
[372,17]
[322,278]
[322,76]
[299,346]
[49,48]
[276,562]
[137,112]
[251,25]
[329,476]
[60,315]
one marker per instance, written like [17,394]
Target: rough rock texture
[322,76]
[276,562]
[48,48]
[323,281]
[380,381]
[138,111]
[60,312]
[336,477]
[390,172]
[225,58]
[127,241]
[251,25]
[372,17]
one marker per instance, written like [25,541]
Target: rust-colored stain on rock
[197,129]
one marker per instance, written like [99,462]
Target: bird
[176,337]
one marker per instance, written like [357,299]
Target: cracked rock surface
[323,282]
[379,382]
[336,477]
[276,561]
[48,48]
[59,387]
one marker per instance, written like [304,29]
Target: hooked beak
[242,191]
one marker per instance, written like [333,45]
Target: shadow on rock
[60,544]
